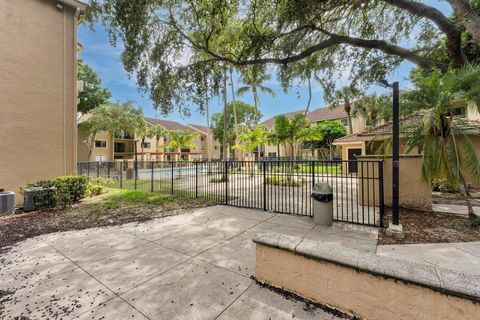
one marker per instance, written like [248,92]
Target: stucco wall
[361,293]
[414,193]
[38,91]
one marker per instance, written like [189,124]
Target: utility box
[322,198]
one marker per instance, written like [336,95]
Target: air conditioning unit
[38,198]
[7,202]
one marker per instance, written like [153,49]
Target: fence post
[121,174]
[98,169]
[88,169]
[313,173]
[226,182]
[135,168]
[151,182]
[196,179]
[264,166]
[380,190]
[108,170]
[172,178]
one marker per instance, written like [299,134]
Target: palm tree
[252,78]
[291,131]
[252,139]
[179,140]
[157,132]
[143,131]
[375,109]
[443,137]
[346,96]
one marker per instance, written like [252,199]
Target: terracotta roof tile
[406,125]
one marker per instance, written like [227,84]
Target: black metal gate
[277,186]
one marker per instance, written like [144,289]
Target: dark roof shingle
[167,124]
[271,121]
[327,113]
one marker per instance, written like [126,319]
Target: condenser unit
[7,202]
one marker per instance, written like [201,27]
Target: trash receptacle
[130,173]
[322,198]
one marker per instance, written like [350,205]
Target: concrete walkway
[463,257]
[453,209]
[192,266]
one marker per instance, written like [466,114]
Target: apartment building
[210,148]
[38,85]
[123,145]
[315,116]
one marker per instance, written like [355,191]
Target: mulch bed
[21,226]
[429,227]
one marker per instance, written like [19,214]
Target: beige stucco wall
[414,193]
[37,91]
[363,294]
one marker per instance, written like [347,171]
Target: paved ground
[191,266]
[463,257]
[453,209]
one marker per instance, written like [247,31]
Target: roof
[201,128]
[271,121]
[406,125]
[167,124]
[74,3]
[327,113]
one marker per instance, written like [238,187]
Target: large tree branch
[452,32]
[467,17]
[333,40]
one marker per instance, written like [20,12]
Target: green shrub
[61,191]
[218,180]
[94,189]
[95,186]
[285,181]
[442,185]
[74,186]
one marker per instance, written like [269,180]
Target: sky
[105,59]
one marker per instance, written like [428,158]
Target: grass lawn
[115,207]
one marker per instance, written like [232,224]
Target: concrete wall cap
[440,279]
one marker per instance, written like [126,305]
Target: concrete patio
[191,266]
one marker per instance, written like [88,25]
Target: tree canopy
[93,94]
[173,45]
[329,130]
[247,117]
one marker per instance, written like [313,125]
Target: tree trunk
[309,95]
[156,147]
[235,123]
[224,142]
[255,96]
[349,119]
[91,144]
[209,152]
[465,191]
[467,17]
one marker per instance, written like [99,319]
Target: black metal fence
[278,186]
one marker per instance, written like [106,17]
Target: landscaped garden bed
[114,207]
[430,227]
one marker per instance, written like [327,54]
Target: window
[100,158]
[215,148]
[460,112]
[272,154]
[146,145]
[100,144]
[344,122]
[202,138]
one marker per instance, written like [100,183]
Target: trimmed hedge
[63,191]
